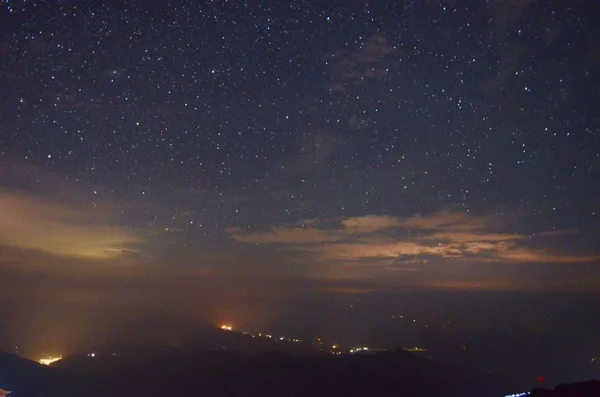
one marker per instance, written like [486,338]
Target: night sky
[265,162]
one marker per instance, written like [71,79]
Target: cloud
[365,63]
[317,147]
[448,235]
[210,195]
[558,232]
[505,70]
[534,279]
[376,249]
[507,12]
[520,254]
[61,229]
[284,235]
[351,290]
[446,220]
[370,223]
[472,237]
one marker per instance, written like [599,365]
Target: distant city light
[49,360]
[92,355]
[415,349]
[518,394]
[318,342]
[359,349]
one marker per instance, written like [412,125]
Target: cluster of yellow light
[319,341]
[227,327]
[415,349]
[49,360]
[359,349]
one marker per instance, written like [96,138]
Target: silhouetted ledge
[589,388]
[186,372]
[190,373]
[26,378]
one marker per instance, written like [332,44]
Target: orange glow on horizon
[49,360]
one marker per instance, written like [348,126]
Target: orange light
[49,360]
[226,327]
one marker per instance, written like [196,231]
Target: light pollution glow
[61,230]
[50,360]
[43,233]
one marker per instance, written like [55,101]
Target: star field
[418,143]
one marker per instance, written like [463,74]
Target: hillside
[221,373]
[29,379]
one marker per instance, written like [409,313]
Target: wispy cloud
[509,11]
[60,229]
[369,223]
[284,235]
[447,235]
[364,63]
[316,148]
[558,232]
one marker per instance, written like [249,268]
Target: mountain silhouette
[589,388]
[223,363]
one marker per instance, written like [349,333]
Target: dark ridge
[192,371]
[27,378]
[589,388]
